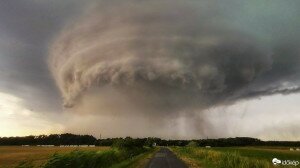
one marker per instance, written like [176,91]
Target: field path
[164,158]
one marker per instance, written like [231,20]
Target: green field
[242,157]
[267,153]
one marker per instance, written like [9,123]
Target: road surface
[164,158]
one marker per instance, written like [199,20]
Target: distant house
[47,145]
[84,146]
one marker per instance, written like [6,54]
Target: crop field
[72,157]
[12,156]
[232,157]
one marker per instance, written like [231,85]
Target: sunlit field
[232,157]
[12,156]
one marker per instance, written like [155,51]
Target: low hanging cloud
[166,57]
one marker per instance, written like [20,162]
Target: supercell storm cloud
[167,56]
[165,68]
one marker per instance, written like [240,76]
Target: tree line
[72,139]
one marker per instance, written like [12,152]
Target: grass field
[14,155]
[227,157]
[267,153]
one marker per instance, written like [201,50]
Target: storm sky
[171,68]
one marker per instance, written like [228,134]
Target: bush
[129,146]
[128,143]
[192,144]
[123,149]
[82,159]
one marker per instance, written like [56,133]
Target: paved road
[164,158]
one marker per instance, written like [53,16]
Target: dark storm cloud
[167,59]
[25,31]
[172,55]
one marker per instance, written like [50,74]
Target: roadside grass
[188,156]
[114,158]
[197,158]
[231,157]
[139,161]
